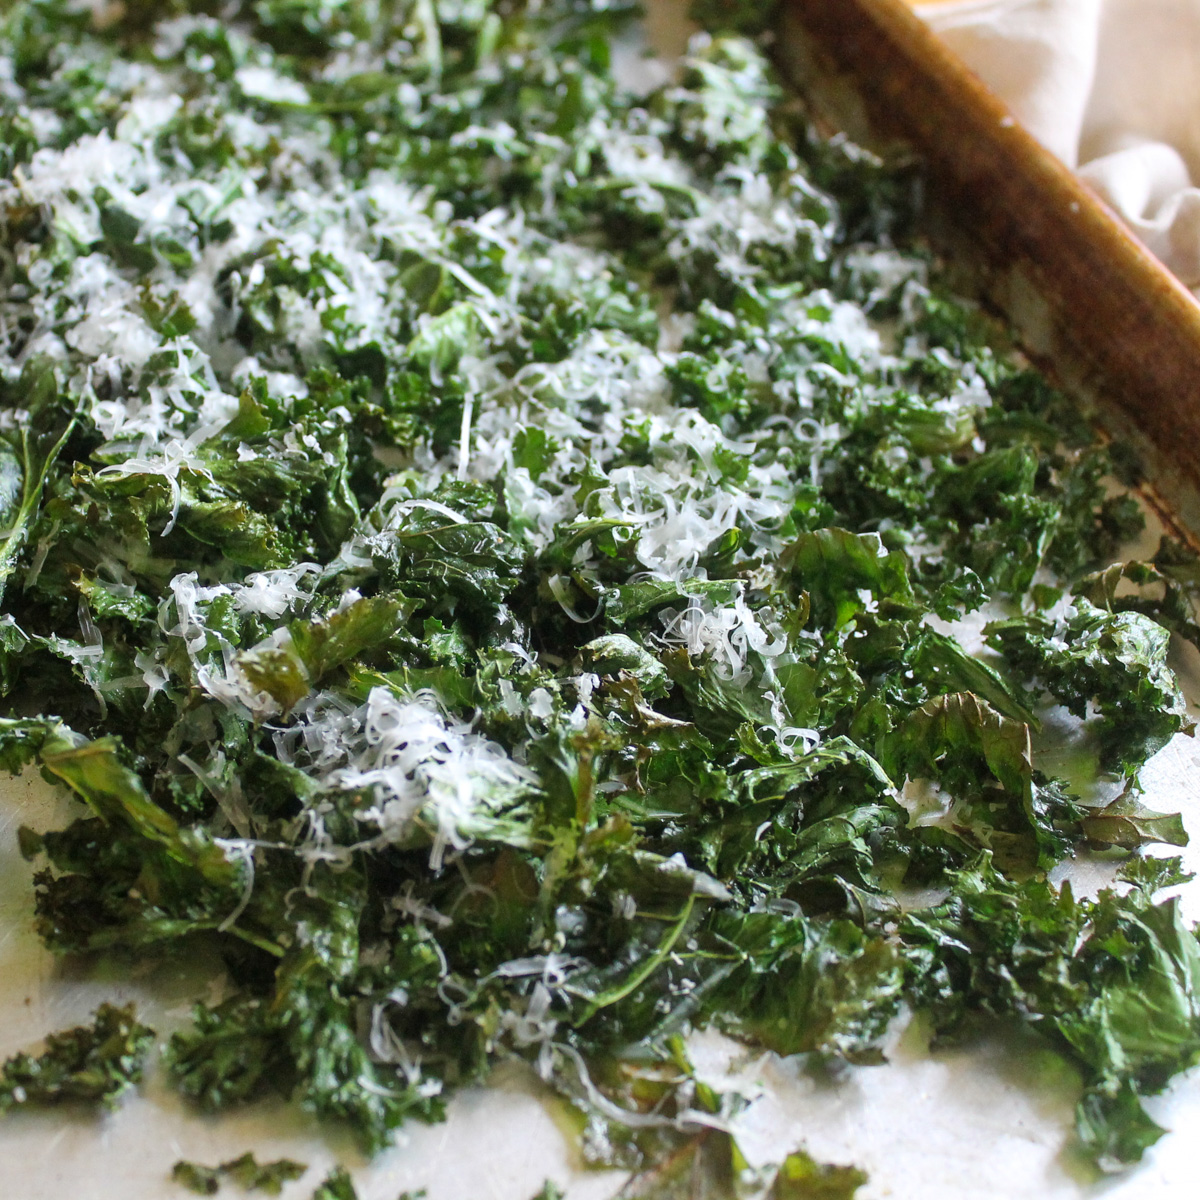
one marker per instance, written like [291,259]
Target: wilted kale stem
[638,977]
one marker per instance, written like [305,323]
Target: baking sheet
[990,1120]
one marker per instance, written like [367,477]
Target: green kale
[204,1181]
[711,1166]
[1113,981]
[1114,660]
[94,1064]
[1174,571]
[488,552]
[801,1177]
[246,1171]
[337,1185]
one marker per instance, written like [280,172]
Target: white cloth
[1110,86]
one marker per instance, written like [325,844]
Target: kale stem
[613,995]
[34,480]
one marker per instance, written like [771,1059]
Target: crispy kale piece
[246,1171]
[1116,661]
[712,1165]
[204,1181]
[93,1064]
[337,1185]
[1164,590]
[27,456]
[1112,981]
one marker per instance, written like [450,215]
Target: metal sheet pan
[1090,304]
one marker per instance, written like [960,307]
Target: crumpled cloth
[1110,86]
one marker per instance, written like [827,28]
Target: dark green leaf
[93,1064]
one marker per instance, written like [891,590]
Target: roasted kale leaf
[91,1064]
